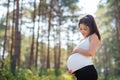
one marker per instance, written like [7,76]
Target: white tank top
[77,60]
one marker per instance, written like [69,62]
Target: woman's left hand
[76,50]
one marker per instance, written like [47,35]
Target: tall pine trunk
[31,58]
[49,28]
[5,35]
[117,17]
[17,40]
[37,43]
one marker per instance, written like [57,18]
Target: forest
[37,36]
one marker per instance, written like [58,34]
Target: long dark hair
[89,21]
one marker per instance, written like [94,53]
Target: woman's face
[85,30]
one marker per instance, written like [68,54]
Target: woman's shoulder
[94,37]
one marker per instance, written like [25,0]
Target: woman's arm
[94,42]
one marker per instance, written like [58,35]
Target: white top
[77,60]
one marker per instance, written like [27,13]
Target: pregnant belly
[77,61]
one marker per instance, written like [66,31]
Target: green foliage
[27,74]
[2,27]
[109,78]
[54,74]
[68,2]
[43,74]
[2,20]
[21,74]
[107,23]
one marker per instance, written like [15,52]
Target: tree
[17,43]
[51,17]
[5,35]
[107,24]
[115,5]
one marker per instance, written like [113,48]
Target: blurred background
[37,36]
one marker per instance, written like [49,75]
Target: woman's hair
[89,21]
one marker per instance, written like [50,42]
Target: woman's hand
[81,51]
[70,72]
[76,50]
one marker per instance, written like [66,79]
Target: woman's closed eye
[84,29]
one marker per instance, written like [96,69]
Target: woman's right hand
[70,72]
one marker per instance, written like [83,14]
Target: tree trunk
[43,46]
[49,28]
[17,40]
[12,33]
[117,17]
[31,58]
[37,44]
[5,35]
[55,55]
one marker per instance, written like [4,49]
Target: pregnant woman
[80,62]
